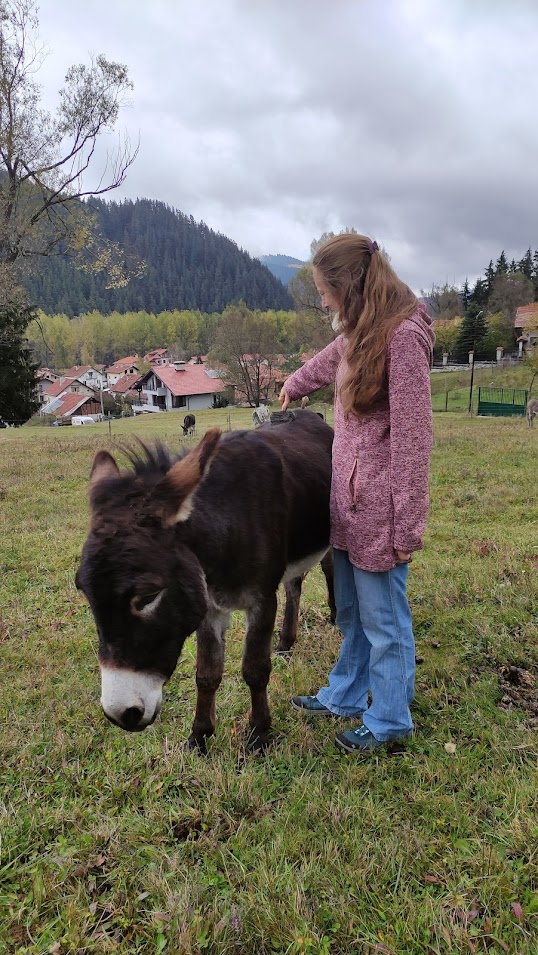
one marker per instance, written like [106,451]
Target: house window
[179,401]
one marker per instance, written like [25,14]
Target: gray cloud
[413,121]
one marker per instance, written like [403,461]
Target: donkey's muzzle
[130,700]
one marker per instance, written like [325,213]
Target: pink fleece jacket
[379,492]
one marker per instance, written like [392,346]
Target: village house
[123,366]
[72,403]
[64,386]
[45,378]
[179,385]
[126,386]
[159,356]
[526,326]
[92,375]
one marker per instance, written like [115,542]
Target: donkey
[176,545]
[532,410]
[189,424]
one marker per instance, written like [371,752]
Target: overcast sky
[415,121]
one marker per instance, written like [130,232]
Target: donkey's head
[146,588]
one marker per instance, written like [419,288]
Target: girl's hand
[403,557]
[284,399]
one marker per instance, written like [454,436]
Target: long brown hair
[373,301]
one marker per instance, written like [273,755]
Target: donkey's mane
[151,461]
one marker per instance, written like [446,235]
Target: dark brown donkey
[176,544]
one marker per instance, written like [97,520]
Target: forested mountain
[188,266]
[284,267]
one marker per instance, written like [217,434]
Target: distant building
[124,366]
[45,378]
[526,323]
[92,375]
[179,385]
[159,356]
[64,386]
[71,403]
[126,385]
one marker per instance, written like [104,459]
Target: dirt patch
[519,687]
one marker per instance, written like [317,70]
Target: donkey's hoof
[283,651]
[258,743]
[194,745]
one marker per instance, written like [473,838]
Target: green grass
[119,843]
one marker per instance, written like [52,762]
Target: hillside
[283,267]
[188,266]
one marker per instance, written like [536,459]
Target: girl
[381,363]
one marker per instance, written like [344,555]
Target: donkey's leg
[328,570]
[257,667]
[210,641]
[288,634]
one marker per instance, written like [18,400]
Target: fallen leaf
[518,911]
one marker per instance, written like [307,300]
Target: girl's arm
[411,436]
[316,373]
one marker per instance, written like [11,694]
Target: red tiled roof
[526,316]
[118,368]
[130,360]
[71,402]
[58,386]
[193,380]
[125,383]
[155,354]
[78,370]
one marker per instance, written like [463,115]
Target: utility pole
[478,314]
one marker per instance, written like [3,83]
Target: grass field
[125,843]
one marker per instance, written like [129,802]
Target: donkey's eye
[143,605]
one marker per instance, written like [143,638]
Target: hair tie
[372,246]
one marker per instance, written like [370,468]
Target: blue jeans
[378,649]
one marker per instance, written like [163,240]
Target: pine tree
[501,265]
[479,295]
[472,332]
[18,396]
[465,295]
[526,264]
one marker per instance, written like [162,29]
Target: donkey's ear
[174,495]
[103,467]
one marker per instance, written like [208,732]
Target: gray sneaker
[361,741]
[311,705]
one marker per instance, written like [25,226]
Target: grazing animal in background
[532,410]
[189,424]
[176,544]
[305,402]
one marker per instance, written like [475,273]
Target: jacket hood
[423,324]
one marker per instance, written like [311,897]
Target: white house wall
[199,402]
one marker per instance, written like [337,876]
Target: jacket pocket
[352,485]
